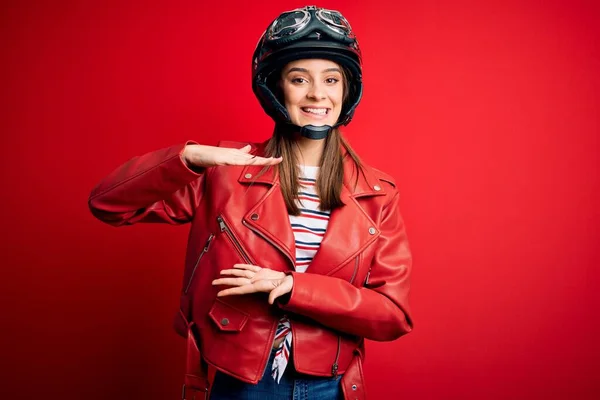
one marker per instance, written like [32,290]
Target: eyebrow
[305,70]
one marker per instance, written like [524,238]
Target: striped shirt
[308,227]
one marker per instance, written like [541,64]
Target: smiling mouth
[315,111]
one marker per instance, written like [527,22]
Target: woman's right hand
[208,156]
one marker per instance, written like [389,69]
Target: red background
[486,113]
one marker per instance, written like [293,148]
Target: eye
[332,80]
[299,80]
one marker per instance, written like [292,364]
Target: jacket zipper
[334,367]
[268,240]
[238,247]
[355,269]
[210,238]
[367,278]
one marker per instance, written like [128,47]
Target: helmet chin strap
[310,131]
[315,132]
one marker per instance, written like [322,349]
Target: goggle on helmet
[308,32]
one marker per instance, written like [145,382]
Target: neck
[308,151]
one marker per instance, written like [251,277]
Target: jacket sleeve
[380,310]
[154,187]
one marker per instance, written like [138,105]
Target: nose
[316,91]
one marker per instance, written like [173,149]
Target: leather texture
[356,287]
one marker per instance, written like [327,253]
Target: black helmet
[308,32]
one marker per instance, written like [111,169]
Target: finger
[265,161]
[261,286]
[246,148]
[266,273]
[242,273]
[252,161]
[257,161]
[231,281]
[275,293]
[253,268]
[276,160]
[241,158]
[237,291]
[237,157]
[283,287]
[245,156]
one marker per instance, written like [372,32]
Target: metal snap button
[354,387]
[254,217]
[377,187]
[372,230]
[224,322]
[248,176]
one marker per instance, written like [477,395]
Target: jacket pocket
[226,317]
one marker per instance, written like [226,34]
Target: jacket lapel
[268,216]
[350,229]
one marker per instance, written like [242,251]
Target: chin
[316,123]
[304,122]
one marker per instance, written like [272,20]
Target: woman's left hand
[248,278]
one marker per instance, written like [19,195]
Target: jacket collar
[366,185]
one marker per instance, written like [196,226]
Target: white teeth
[318,111]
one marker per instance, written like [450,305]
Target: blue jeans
[293,386]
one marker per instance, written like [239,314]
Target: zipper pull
[221,224]
[334,367]
[367,278]
[210,238]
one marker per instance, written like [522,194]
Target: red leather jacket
[356,286]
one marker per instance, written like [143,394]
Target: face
[313,91]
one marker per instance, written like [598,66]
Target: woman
[297,250]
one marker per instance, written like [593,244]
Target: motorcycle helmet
[308,32]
